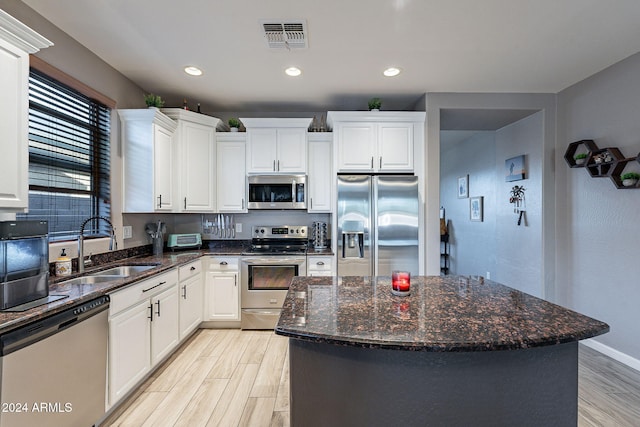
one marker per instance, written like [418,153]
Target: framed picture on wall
[463,187]
[476,210]
[514,168]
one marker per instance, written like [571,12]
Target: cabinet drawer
[140,291]
[223,264]
[320,263]
[192,269]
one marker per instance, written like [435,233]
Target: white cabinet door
[164,324]
[17,41]
[262,150]
[223,301]
[395,147]
[129,348]
[163,168]
[14,144]
[291,151]
[191,297]
[356,146]
[147,161]
[321,177]
[231,188]
[197,171]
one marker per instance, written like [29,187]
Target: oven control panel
[279,231]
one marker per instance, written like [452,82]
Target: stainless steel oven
[277,192]
[277,255]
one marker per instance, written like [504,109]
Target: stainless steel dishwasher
[53,371]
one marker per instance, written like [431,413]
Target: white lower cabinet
[222,294]
[320,266]
[191,293]
[143,330]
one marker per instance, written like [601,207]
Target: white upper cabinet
[231,175]
[321,178]
[17,41]
[194,146]
[276,145]
[375,141]
[149,183]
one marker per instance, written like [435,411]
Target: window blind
[69,157]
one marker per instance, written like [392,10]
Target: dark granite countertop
[77,294]
[450,313]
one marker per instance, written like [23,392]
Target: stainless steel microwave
[277,192]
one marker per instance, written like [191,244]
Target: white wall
[598,224]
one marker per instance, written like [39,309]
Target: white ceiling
[538,46]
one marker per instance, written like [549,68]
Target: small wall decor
[603,162]
[517,199]
[463,187]
[476,210]
[514,168]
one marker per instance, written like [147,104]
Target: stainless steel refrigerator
[377,224]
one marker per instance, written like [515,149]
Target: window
[68,158]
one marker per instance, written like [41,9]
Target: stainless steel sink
[123,270]
[91,279]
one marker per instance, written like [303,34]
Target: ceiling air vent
[285,35]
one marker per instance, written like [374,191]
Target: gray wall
[597,223]
[512,254]
[472,244]
[519,248]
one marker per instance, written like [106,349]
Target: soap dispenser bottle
[63,264]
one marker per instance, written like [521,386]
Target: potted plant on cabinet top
[580,158]
[630,179]
[375,104]
[234,124]
[153,100]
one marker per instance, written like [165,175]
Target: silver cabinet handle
[243,203]
[184,291]
[224,263]
[192,268]
[235,281]
[371,162]
[185,203]
[310,202]
[150,316]
[380,162]
[160,201]
[278,165]
[319,263]
[158,312]
[274,165]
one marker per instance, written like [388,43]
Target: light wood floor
[240,378]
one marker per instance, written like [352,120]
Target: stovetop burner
[278,240]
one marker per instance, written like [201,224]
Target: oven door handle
[274,260]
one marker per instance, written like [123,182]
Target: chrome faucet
[113,245]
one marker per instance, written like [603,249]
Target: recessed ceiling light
[193,71]
[293,71]
[391,72]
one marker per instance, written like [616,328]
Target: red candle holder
[401,283]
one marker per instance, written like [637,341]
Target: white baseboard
[613,353]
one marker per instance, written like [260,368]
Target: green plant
[153,100]
[630,175]
[375,103]
[234,123]
[580,156]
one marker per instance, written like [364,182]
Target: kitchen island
[458,351]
